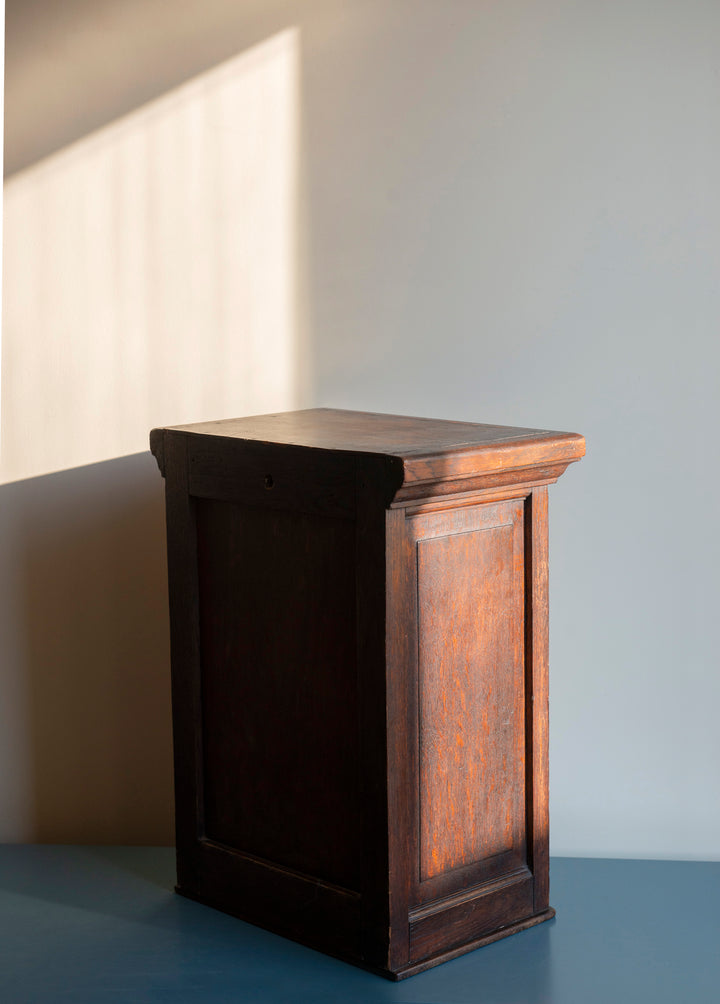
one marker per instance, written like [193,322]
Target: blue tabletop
[97,925]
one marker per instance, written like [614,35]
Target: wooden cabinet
[359,663]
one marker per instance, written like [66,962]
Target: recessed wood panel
[279,687]
[471,695]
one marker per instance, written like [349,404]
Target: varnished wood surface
[270,477]
[359,617]
[185,657]
[367,432]
[432,451]
[279,686]
[401,769]
[471,716]
[537,686]
[464,728]
[510,899]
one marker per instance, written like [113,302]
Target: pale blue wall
[515,217]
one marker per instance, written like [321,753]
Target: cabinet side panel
[471,687]
[279,687]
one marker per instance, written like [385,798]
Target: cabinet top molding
[427,456]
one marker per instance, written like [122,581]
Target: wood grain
[374,619]
[389,435]
[536,536]
[185,657]
[360,677]
[437,456]
[472,728]
[279,687]
[511,896]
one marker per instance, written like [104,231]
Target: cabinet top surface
[365,432]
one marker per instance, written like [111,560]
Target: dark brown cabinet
[359,663]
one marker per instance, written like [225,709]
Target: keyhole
[269,483]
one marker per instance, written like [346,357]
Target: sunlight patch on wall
[150,270]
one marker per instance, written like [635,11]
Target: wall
[506,213]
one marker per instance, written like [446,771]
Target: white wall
[507,213]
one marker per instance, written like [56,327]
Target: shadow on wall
[150,280]
[84,576]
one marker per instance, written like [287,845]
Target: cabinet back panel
[279,687]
